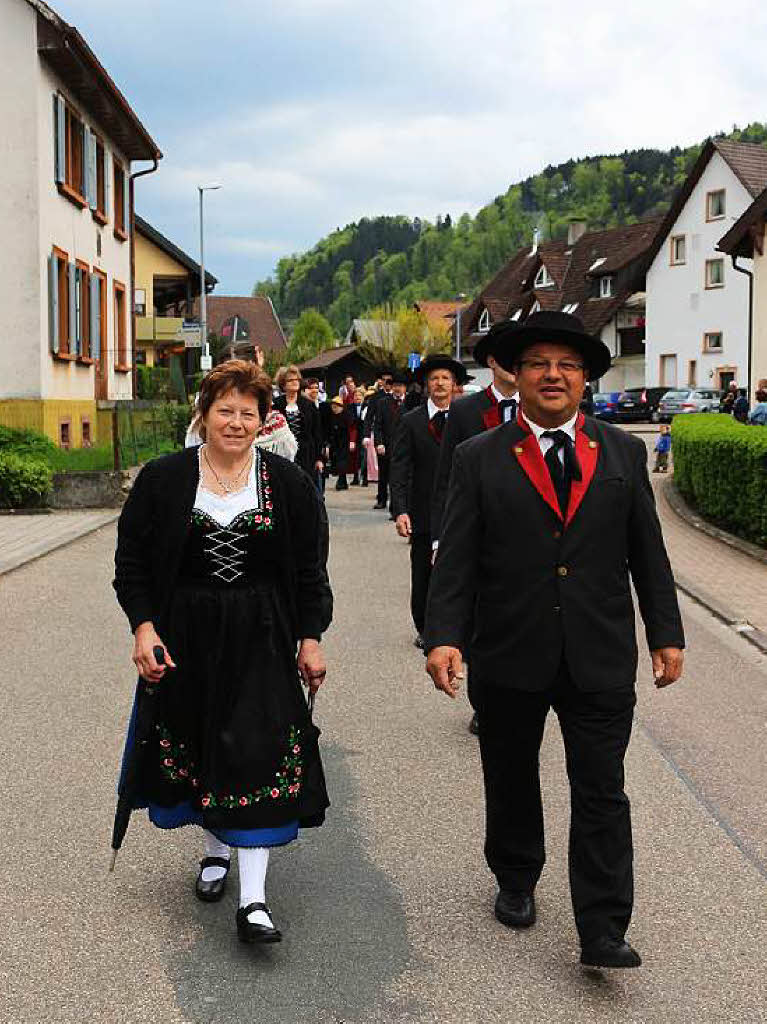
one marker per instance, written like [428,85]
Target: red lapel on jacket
[587,453]
[491,417]
[436,434]
[528,455]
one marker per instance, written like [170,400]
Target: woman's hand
[311,664]
[145,640]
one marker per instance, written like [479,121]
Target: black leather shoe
[378,505]
[515,909]
[608,952]
[249,932]
[211,892]
[418,642]
[474,724]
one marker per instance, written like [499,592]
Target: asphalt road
[387,910]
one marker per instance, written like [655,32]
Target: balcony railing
[158,329]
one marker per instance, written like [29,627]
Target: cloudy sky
[314,113]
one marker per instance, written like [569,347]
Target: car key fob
[159,654]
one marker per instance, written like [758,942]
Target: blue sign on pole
[413,361]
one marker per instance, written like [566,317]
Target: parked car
[674,403]
[606,405]
[639,404]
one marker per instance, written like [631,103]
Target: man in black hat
[471,416]
[546,518]
[414,462]
[385,419]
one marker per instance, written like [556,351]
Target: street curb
[677,504]
[756,637]
[59,542]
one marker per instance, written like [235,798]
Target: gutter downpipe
[750,275]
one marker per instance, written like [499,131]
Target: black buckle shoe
[515,909]
[249,932]
[609,952]
[211,892]
[474,724]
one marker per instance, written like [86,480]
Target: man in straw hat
[415,455]
[546,520]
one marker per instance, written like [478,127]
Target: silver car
[689,400]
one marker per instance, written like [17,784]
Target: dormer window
[536,307]
[516,314]
[543,278]
[570,307]
[606,287]
[484,321]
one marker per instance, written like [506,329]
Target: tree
[312,334]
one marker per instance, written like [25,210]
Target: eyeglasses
[566,366]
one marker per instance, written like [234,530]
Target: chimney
[576,229]
[536,240]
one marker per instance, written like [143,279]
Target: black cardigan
[153,526]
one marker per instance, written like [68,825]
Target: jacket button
[562,570]
[557,608]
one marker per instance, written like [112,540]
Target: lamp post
[205,362]
[459,298]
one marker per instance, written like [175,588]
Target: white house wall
[76,232]
[20,323]
[680,310]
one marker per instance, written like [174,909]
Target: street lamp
[459,298]
[205,362]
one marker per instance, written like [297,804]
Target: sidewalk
[26,537]
[729,583]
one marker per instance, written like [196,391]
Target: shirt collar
[433,410]
[500,397]
[568,427]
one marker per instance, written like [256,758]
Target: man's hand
[319,465]
[445,666]
[311,664]
[403,524]
[381,449]
[667,665]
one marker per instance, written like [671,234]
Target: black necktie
[507,403]
[562,473]
[439,419]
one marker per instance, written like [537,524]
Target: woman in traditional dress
[220,570]
[303,419]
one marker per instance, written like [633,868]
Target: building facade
[697,303]
[66,337]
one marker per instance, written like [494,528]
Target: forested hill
[398,260]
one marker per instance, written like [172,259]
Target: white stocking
[214,848]
[253,864]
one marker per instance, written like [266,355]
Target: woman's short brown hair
[761,396]
[283,373]
[235,375]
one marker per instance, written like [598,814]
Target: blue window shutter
[59,138]
[107,185]
[53,302]
[90,168]
[72,310]
[126,198]
[95,316]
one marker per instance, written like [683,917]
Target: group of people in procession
[525,520]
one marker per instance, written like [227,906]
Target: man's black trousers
[595,728]
[420,574]
[383,480]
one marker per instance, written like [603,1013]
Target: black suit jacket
[387,416]
[153,527]
[415,455]
[522,589]
[468,417]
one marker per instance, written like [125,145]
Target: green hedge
[25,481]
[720,467]
[26,442]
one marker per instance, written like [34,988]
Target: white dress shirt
[433,409]
[545,442]
[504,398]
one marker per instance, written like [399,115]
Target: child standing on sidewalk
[662,448]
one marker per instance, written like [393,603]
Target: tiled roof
[328,358]
[739,240]
[265,329]
[570,266]
[748,160]
[439,310]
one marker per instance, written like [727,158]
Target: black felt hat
[400,377]
[557,328]
[490,343]
[441,362]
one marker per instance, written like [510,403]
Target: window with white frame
[715,273]
[484,321]
[139,301]
[716,205]
[605,287]
[678,250]
[543,278]
[516,314]
[713,341]
[570,307]
[536,307]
